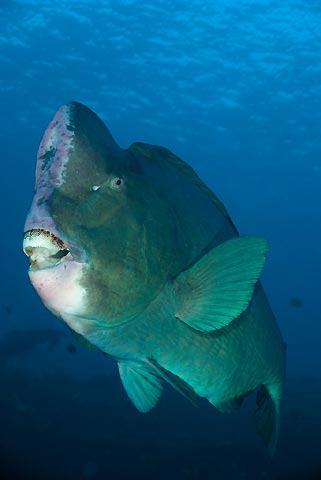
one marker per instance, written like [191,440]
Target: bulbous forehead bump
[54,149]
[52,158]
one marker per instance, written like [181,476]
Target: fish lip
[46,250]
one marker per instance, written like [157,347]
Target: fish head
[98,235]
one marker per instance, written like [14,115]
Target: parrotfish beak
[44,249]
[55,273]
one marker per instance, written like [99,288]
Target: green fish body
[137,255]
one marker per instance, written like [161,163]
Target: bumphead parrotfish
[136,254]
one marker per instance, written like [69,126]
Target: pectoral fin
[142,384]
[219,287]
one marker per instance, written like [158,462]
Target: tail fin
[267,418]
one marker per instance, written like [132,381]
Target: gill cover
[93,196]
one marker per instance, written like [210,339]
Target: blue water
[232,87]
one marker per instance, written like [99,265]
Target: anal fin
[176,382]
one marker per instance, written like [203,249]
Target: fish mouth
[44,249]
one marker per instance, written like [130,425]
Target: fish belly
[230,362]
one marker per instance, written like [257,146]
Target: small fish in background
[296,302]
[71,348]
[139,257]
[8,310]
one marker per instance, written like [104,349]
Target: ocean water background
[233,88]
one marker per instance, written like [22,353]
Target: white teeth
[42,249]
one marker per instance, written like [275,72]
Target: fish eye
[117,183]
[94,188]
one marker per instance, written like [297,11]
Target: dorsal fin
[153,152]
